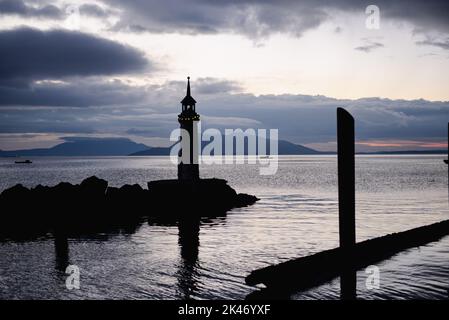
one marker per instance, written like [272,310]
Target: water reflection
[188,275]
[348,284]
[61,251]
[189,242]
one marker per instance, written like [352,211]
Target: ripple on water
[296,216]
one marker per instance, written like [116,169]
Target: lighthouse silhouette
[188,168]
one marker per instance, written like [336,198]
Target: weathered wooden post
[346,200]
[346,178]
[306,272]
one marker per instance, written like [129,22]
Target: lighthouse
[188,119]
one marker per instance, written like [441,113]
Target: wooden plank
[310,271]
[306,272]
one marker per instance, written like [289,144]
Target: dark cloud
[443,44]
[49,11]
[93,91]
[19,7]
[79,93]
[30,54]
[151,111]
[262,18]
[253,18]
[208,86]
[43,120]
[214,86]
[426,15]
[93,10]
[369,46]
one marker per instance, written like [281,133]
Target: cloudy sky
[110,68]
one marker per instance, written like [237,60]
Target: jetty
[310,271]
[282,280]
[94,207]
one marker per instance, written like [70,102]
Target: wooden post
[346,201]
[346,178]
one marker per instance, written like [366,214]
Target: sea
[297,215]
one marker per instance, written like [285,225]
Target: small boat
[23,161]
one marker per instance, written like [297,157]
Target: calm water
[296,216]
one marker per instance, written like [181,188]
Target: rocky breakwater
[93,207]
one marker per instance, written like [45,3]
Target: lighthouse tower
[188,119]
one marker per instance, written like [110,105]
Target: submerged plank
[306,272]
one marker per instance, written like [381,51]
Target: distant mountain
[284,148]
[288,148]
[80,146]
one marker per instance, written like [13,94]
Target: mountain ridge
[284,148]
[81,146]
[86,146]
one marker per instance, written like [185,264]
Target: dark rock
[94,186]
[128,200]
[40,188]
[134,190]
[64,190]
[93,207]
[112,192]
[203,198]
[17,192]
[244,200]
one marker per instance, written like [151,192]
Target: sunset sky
[112,68]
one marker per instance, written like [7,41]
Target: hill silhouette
[284,148]
[81,146]
[87,146]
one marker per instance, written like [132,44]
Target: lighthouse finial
[188,99]
[188,86]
